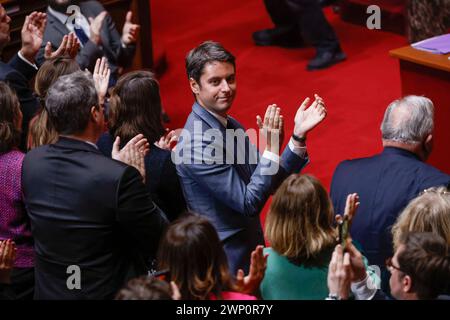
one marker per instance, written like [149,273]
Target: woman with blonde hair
[300,229]
[429,212]
[41,130]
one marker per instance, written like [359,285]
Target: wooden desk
[424,73]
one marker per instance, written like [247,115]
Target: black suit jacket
[18,74]
[90,211]
[111,41]
[162,180]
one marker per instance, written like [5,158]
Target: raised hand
[95,25]
[351,205]
[309,116]
[133,153]
[272,128]
[339,273]
[130,30]
[168,141]
[101,78]
[32,34]
[7,258]
[250,283]
[68,48]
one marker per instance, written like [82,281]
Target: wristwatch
[333,296]
[298,139]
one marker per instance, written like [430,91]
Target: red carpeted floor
[356,91]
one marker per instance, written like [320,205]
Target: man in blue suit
[222,174]
[386,182]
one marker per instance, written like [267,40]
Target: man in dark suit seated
[88,212]
[230,184]
[95,31]
[386,182]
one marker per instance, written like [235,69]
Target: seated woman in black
[135,107]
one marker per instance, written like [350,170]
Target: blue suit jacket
[385,183]
[230,195]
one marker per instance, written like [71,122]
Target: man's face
[217,87]
[397,276]
[61,5]
[4,27]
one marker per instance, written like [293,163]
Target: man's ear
[195,87]
[407,284]
[429,141]
[95,114]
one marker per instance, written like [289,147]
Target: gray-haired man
[386,182]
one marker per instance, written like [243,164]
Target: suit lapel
[56,24]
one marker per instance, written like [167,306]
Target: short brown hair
[425,258]
[193,253]
[145,288]
[429,212]
[135,107]
[299,222]
[9,118]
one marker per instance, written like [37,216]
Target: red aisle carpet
[356,91]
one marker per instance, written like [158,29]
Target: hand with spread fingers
[68,48]
[32,35]
[272,128]
[309,116]
[250,284]
[168,141]
[101,78]
[7,258]
[339,274]
[133,153]
[130,30]
[351,205]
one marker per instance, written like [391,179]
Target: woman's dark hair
[193,253]
[135,107]
[10,116]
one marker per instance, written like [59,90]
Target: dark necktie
[242,169]
[81,35]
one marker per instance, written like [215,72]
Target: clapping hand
[7,258]
[133,153]
[95,25]
[101,78]
[308,117]
[130,30]
[32,34]
[68,48]
[339,273]
[250,284]
[168,141]
[272,128]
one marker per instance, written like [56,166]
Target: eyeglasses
[390,265]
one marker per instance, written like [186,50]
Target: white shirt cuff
[364,290]
[271,156]
[300,151]
[26,61]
